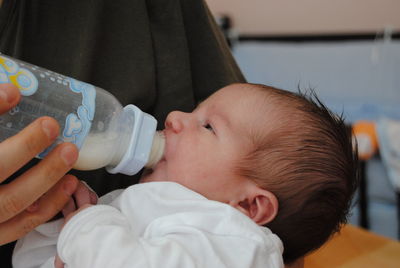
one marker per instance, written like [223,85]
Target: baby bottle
[122,139]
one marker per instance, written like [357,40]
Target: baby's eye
[209,127]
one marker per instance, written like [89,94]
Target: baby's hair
[308,161]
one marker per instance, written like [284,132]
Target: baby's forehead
[252,108]
[266,110]
[248,103]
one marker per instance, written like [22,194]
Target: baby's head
[280,158]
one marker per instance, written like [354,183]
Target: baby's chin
[157,174]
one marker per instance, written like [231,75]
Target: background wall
[309,16]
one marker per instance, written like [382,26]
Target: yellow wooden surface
[355,247]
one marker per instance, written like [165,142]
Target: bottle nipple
[157,149]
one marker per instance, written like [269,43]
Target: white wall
[309,16]
[362,79]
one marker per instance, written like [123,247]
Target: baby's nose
[174,121]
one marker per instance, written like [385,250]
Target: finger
[58,262]
[33,207]
[69,207]
[23,191]
[9,97]
[49,205]
[16,151]
[93,196]
[82,195]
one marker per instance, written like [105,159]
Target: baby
[250,164]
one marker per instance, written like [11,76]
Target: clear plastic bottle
[122,139]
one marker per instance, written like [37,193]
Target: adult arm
[40,192]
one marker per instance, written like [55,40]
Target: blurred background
[348,51]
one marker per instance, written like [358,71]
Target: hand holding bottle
[39,193]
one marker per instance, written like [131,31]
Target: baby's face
[204,146]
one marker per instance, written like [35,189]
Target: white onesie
[155,224]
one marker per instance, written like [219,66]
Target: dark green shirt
[160,55]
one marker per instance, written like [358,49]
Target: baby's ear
[260,205]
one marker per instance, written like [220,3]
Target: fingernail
[70,186]
[69,154]
[48,129]
[8,95]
